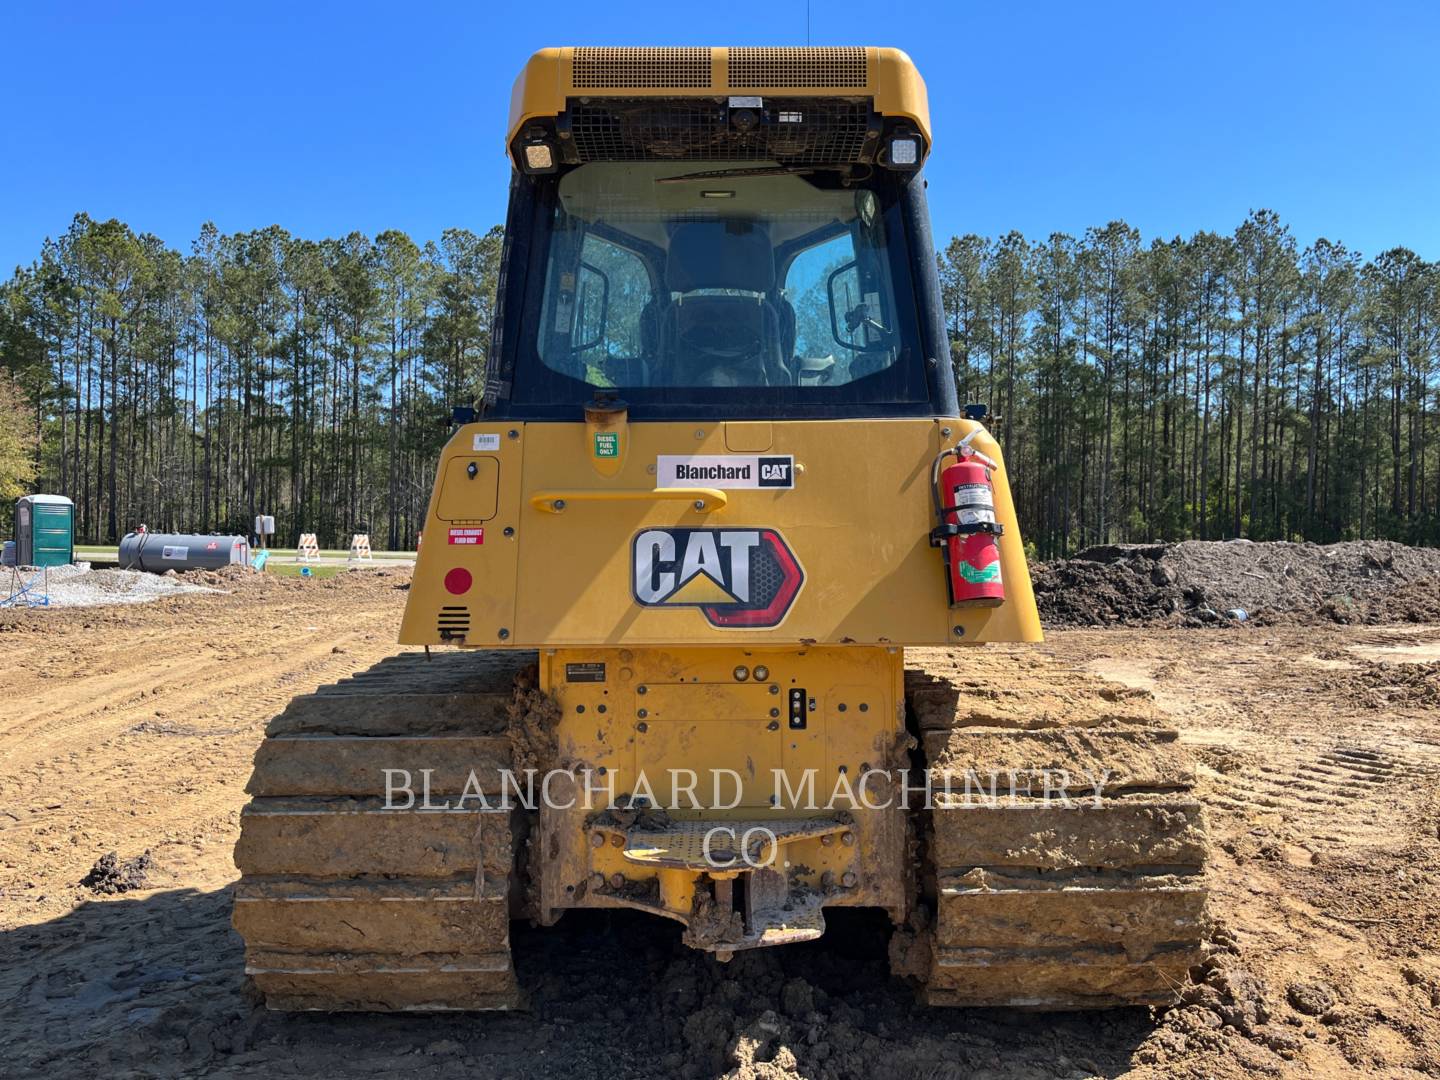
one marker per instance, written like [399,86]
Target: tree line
[260,373]
[1212,387]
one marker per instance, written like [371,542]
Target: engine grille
[453,622]
[635,69]
[836,68]
[795,131]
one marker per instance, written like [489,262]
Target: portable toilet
[44,530]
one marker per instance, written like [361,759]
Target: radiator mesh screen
[840,68]
[635,69]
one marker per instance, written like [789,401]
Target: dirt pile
[229,578]
[110,876]
[1200,583]
[1123,585]
[1414,602]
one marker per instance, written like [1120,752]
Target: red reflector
[458,581]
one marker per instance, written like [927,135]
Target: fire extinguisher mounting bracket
[942,533]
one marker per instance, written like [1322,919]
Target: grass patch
[344,553]
[293,570]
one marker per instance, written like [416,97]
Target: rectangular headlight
[539,157]
[904,151]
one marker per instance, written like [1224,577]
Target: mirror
[855,316]
[592,308]
[866,207]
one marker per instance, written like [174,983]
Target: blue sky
[327,118]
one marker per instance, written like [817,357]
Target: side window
[839,332]
[593,314]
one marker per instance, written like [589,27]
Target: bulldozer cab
[736,255]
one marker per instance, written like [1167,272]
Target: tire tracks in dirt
[148,742]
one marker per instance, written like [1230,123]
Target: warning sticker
[607,444]
[467,536]
[485,442]
[972,495]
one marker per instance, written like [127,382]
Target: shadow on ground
[153,987]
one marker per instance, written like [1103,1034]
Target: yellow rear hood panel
[857,522]
[552,76]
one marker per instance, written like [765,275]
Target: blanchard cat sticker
[727,471]
[744,579]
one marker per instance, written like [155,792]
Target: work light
[539,156]
[904,152]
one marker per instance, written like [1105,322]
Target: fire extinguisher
[968,532]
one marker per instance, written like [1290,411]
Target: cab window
[839,320]
[657,277]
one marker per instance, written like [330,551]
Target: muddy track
[346,903]
[1067,854]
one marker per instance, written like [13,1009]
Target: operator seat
[720,338]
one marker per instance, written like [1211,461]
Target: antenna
[807,22]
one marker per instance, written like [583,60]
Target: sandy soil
[131,730]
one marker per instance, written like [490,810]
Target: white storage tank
[158,552]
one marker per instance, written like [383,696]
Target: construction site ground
[130,730]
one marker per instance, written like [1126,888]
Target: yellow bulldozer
[718,560]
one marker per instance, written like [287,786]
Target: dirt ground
[130,730]
[1202,583]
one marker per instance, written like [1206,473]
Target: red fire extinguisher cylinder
[973,543]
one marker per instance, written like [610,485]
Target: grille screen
[453,622]
[814,131]
[598,69]
[797,67]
